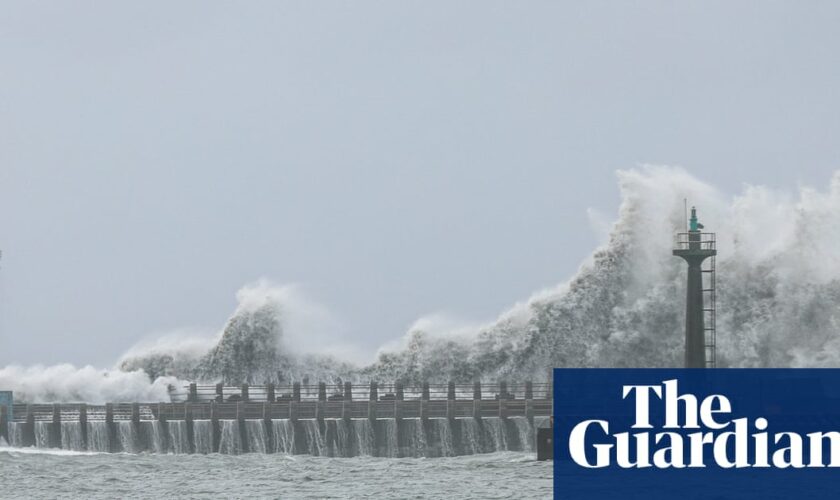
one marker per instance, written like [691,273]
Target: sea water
[38,473]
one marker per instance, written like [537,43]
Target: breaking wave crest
[778,302]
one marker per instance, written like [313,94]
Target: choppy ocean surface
[37,473]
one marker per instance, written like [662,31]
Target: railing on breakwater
[372,392]
[242,406]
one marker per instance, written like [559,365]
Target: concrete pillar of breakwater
[503,395]
[269,428]
[240,425]
[319,412]
[214,426]
[450,391]
[4,424]
[529,405]
[400,395]
[135,414]
[83,424]
[545,443]
[477,390]
[193,395]
[245,394]
[345,410]
[296,391]
[188,419]
[425,395]
[270,393]
[29,428]
[529,411]
[109,427]
[220,392]
[55,438]
[374,397]
[293,411]
[135,418]
[322,391]
[348,391]
[164,425]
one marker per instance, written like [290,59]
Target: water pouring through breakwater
[434,437]
[203,436]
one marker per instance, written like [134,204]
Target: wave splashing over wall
[778,304]
[265,340]
[778,301]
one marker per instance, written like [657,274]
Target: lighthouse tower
[695,247]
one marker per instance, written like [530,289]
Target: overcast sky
[395,159]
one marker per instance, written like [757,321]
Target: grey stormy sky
[393,158]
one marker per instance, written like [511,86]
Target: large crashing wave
[777,276]
[254,347]
[778,296]
[778,302]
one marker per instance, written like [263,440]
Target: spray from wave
[67,383]
[778,303]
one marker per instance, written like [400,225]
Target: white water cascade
[525,434]
[391,439]
[98,439]
[443,437]
[230,440]
[71,436]
[178,438]
[365,437]
[496,431]
[284,436]
[414,438]
[203,436]
[470,436]
[152,431]
[314,440]
[257,438]
[16,434]
[127,436]
[42,434]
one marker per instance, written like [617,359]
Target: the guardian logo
[695,430]
[665,434]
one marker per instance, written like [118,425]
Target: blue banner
[684,434]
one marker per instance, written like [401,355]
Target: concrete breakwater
[434,437]
[431,423]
